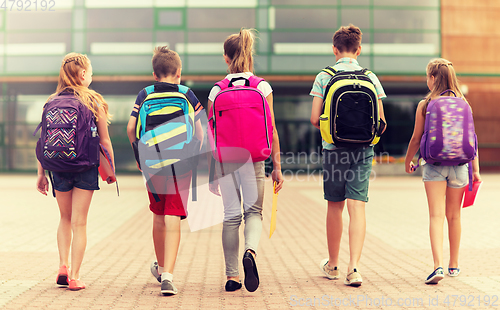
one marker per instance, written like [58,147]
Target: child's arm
[42,184]
[275,151]
[414,144]
[317,109]
[131,128]
[381,114]
[102,129]
[199,132]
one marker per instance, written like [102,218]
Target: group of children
[444,185]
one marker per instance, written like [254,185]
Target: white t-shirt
[264,86]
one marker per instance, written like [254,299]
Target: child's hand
[42,184]
[278,178]
[410,168]
[214,187]
[476,177]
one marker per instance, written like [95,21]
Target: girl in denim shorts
[74,191]
[444,185]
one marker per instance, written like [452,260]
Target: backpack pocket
[61,134]
[325,126]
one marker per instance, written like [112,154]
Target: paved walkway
[396,257]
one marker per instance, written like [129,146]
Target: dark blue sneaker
[436,276]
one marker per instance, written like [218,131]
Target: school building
[294,44]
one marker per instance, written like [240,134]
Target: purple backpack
[69,141]
[449,138]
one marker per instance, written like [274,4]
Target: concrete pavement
[396,256]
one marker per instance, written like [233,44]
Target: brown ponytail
[239,49]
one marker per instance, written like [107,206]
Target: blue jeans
[455,176]
[66,181]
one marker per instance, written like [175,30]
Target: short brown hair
[165,62]
[347,38]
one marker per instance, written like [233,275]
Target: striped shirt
[343,64]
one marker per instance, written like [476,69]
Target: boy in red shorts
[167,194]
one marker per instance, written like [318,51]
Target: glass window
[406,19]
[33,65]
[170,18]
[118,64]
[400,65]
[434,3]
[306,18]
[119,18]
[359,18]
[39,20]
[301,2]
[221,18]
[355,2]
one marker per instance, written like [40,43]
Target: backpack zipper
[220,113]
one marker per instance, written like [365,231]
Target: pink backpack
[240,122]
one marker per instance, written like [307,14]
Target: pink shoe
[62,276]
[76,285]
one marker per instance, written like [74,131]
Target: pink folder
[106,169]
[470,196]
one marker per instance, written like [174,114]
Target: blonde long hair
[445,78]
[239,48]
[72,65]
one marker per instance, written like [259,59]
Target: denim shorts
[455,176]
[346,173]
[65,181]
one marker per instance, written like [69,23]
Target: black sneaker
[168,288]
[251,274]
[436,276]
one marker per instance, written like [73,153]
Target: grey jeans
[241,184]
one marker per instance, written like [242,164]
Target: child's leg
[453,210]
[357,231]
[436,191]
[159,232]
[252,188]
[81,202]
[172,241]
[231,198]
[64,234]
[334,230]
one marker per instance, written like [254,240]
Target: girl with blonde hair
[74,190]
[444,185]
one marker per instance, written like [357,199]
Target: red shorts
[173,199]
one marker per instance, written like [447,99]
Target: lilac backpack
[69,141]
[449,138]
[240,122]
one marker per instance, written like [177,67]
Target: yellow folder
[274,211]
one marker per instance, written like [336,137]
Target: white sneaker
[331,273]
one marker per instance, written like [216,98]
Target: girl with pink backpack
[242,135]
[444,132]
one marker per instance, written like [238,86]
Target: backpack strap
[255,80]
[149,89]
[330,70]
[223,84]
[182,89]
[448,91]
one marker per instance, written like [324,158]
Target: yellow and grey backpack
[166,144]
[350,115]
